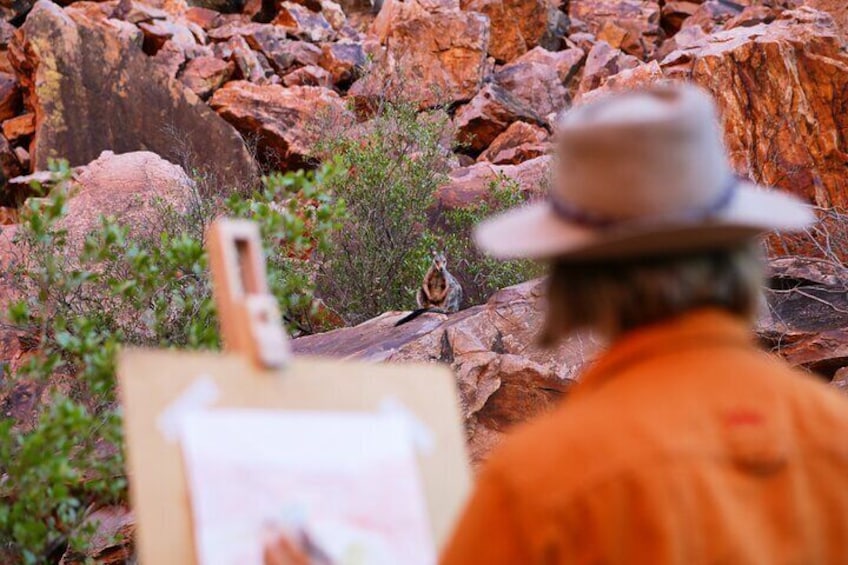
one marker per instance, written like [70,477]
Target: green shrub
[393,169]
[379,257]
[75,312]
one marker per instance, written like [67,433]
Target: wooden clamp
[248,314]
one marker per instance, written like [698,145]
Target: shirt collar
[705,327]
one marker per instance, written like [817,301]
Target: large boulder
[301,22]
[342,60]
[544,80]
[781,88]
[503,378]
[518,143]
[204,75]
[285,122]
[432,58]
[488,115]
[93,89]
[805,321]
[519,25]
[602,62]
[138,189]
[470,185]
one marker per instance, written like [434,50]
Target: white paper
[201,394]
[422,435]
[349,480]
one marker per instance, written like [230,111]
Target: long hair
[615,297]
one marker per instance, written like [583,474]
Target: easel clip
[250,319]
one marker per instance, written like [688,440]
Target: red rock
[685,38]
[23,126]
[836,8]
[23,158]
[159,32]
[712,14]
[132,187]
[169,59]
[7,30]
[10,96]
[630,25]
[541,79]
[642,76]
[840,380]
[488,114]
[204,17]
[279,118]
[129,11]
[753,15]
[342,61]
[309,76]
[233,28]
[11,348]
[92,89]
[8,216]
[675,12]
[780,88]
[303,23]
[250,65]
[281,52]
[503,378]
[223,6]
[334,14]
[519,142]
[205,75]
[519,25]
[5,63]
[14,9]
[823,352]
[603,62]
[311,5]
[112,542]
[582,40]
[470,185]
[10,167]
[439,57]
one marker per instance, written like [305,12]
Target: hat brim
[535,231]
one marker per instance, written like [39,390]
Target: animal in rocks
[439,291]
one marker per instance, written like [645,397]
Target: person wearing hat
[683,442]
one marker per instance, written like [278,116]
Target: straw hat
[642,173]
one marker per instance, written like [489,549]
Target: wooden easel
[251,324]
[257,371]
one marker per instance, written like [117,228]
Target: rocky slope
[126,75]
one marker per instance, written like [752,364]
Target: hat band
[575,215]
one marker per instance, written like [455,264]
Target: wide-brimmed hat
[639,174]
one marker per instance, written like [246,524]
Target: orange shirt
[683,444]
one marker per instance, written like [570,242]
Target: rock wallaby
[439,292]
